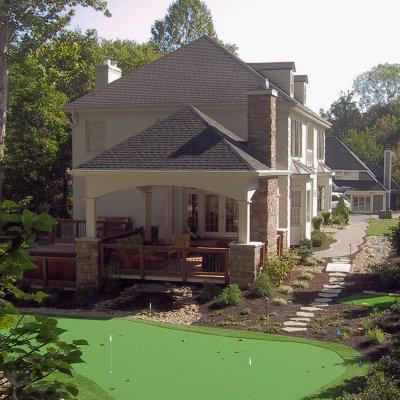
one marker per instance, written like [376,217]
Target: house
[199,141]
[369,186]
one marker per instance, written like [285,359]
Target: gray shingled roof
[186,140]
[362,185]
[274,65]
[339,156]
[200,72]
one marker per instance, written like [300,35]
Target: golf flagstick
[250,378]
[111,356]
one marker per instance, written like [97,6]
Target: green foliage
[389,274]
[134,240]
[277,267]
[300,284]
[279,301]
[210,291]
[394,236]
[262,286]
[231,296]
[245,311]
[326,216]
[285,289]
[341,210]
[338,220]
[365,145]
[307,275]
[185,21]
[317,222]
[30,348]
[304,251]
[376,335]
[318,238]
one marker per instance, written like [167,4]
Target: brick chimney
[107,72]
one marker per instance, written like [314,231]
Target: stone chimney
[107,72]
[387,172]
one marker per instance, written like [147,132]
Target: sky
[332,41]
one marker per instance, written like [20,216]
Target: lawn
[378,227]
[371,300]
[166,363]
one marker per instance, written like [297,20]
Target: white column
[91,218]
[168,212]
[244,221]
[147,215]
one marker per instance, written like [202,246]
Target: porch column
[244,221]
[168,212]
[91,228]
[147,216]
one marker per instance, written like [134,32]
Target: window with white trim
[295,208]
[321,145]
[321,199]
[193,212]
[361,204]
[231,215]
[308,206]
[211,213]
[95,136]
[296,140]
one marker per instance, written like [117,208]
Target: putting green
[167,363]
[371,300]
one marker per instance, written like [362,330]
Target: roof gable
[198,73]
[186,140]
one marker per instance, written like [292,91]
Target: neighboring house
[369,188]
[199,140]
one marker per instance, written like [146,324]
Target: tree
[344,115]
[30,347]
[185,21]
[29,22]
[380,85]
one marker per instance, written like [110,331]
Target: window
[361,204]
[296,142]
[231,215]
[211,213]
[308,206]
[321,198]
[295,208]
[321,145]
[95,136]
[193,212]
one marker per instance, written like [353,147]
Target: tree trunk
[4,40]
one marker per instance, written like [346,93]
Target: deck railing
[66,230]
[180,263]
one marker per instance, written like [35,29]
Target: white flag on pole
[110,338]
[250,362]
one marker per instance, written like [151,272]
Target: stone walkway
[353,234]
[329,292]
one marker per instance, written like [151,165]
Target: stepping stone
[338,267]
[310,309]
[337,291]
[370,292]
[336,280]
[319,304]
[322,300]
[337,286]
[295,323]
[327,295]
[301,319]
[290,329]
[337,274]
[305,314]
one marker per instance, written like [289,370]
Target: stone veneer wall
[87,263]
[245,261]
[261,126]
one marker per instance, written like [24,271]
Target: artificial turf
[158,362]
[379,301]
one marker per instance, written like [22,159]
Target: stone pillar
[264,214]
[245,262]
[261,125]
[87,263]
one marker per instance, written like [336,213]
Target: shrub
[375,319]
[277,267]
[318,238]
[262,286]
[210,291]
[376,335]
[304,253]
[389,274]
[310,262]
[300,284]
[285,289]
[326,217]
[136,240]
[337,219]
[341,210]
[394,236]
[307,275]
[231,296]
[245,311]
[279,301]
[317,222]
[306,243]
